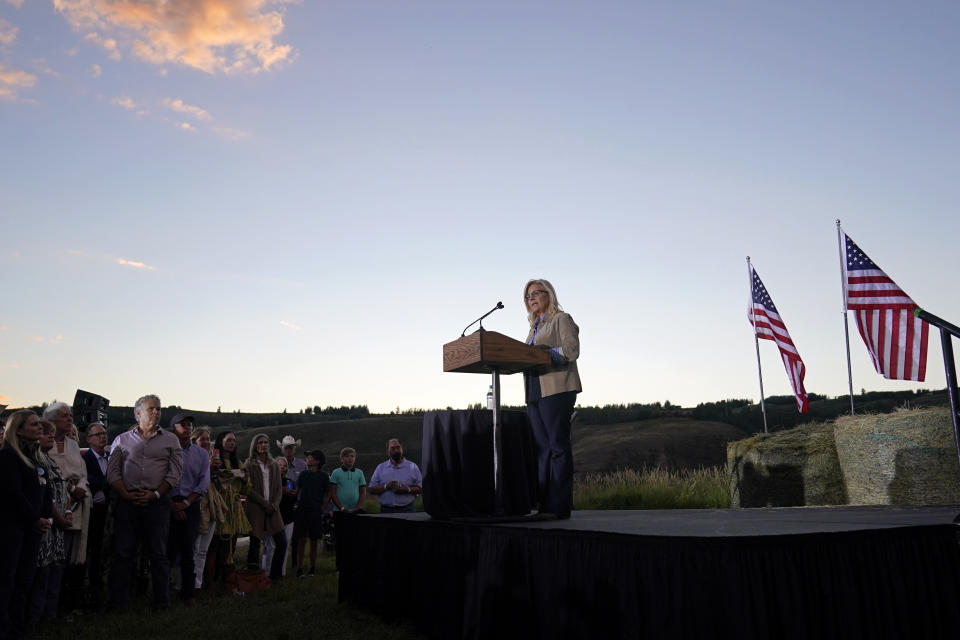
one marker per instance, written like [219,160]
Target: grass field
[293,609]
[653,489]
[666,443]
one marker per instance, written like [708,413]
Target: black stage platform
[806,572]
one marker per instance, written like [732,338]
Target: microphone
[480,320]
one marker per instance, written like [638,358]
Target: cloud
[123,262]
[95,71]
[290,325]
[215,36]
[186,126]
[50,340]
[8,33]
[38,339]
[231,134]
[135,264]
[41,65]
[13,80]
[3,327]
[179,106]
[125,102]
[16,3]
[108,44]
[5,399]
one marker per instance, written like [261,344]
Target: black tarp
[758,573]
[458,464]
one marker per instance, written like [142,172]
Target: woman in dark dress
[25,514]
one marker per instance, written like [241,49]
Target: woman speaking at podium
[551,393]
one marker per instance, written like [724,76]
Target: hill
[667,443]
[367,435]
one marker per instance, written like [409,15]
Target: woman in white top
[66,453]
[263,505]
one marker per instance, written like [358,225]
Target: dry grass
[704,488]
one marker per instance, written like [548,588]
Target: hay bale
[792,468]
[902,458]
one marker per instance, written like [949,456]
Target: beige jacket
[256,506]
[559,331]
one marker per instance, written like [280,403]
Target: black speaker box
[89,407]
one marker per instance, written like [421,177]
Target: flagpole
[756,343]
[846,327]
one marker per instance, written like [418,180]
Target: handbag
[252,580]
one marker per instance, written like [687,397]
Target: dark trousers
[18,565]
[219,559]
[71,579]
[183,537]
[279,553]
[131,524]
[98,524]
[550,423]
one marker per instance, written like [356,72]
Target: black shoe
[299,572]
[313,571]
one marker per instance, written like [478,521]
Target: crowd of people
[178,497]
[86,528]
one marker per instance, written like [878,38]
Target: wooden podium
[494,353]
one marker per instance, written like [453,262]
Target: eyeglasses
[533,294]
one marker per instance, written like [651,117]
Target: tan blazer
[559,331]
[256,506]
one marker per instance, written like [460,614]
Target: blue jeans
[550,423]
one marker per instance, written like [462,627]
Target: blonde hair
[253,447]
[199,431]
[554,306]
[12,439]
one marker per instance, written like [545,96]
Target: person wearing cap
[144,465]
[185,504]
[295,466]
[95,458]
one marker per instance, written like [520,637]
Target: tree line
[740,412]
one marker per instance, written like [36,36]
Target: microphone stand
[480,320]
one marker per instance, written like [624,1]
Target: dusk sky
[261,205]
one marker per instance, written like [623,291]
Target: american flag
[897,341]
[769,325]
